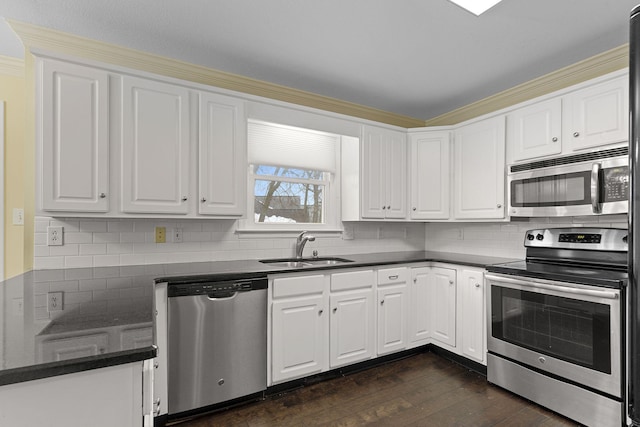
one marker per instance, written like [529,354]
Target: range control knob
[530,237]
[539,236]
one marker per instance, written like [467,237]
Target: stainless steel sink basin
[304,262]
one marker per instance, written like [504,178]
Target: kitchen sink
[304,262]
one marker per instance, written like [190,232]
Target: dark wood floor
[421,390]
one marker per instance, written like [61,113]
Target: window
[293,178]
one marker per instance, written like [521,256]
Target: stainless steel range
[556,334]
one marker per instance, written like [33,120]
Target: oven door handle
[596,206]
[554,287]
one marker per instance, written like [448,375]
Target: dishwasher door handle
[222,296]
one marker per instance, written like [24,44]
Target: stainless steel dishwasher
[217,342]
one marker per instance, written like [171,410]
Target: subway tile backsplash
[503,239]
[116,242]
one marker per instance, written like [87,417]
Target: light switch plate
[18,216]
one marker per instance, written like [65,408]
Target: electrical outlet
[18,216]
[161,235]
[177,235]
[55,236]
[348,232]
[54,301]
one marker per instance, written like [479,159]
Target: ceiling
[418,58]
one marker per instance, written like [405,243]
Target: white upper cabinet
[430,175]
[74,137]
[592,116]
[535,131]
[479,165]
[155,147]
[222,155]
[597,115]
[384,175]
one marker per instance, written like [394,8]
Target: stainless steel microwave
[583,184]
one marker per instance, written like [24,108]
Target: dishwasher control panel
[208,288]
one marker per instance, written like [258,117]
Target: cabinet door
[479,170]
[472,303]
[597,115]
[373,174]
[299,337]
[535,131]
[384,174]
[75,138]
[155,147]
[443,305]
[430,175]
[392,309]
[222,157]
[420,302]
[396,176]
[351,327]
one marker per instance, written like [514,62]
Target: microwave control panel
[616,184]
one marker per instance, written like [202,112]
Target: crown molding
[598,65]
[11,66]
[52,40]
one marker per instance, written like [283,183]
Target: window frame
[331,201]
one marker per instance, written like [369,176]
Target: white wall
[112,242]
[503,239]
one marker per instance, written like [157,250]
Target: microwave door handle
[595,188]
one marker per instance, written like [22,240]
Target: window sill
[252,233]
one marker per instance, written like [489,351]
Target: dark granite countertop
[107,317]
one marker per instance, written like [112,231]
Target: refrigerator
[633,293]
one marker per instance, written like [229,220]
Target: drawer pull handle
[394,277]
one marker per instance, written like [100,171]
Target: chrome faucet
[301,241]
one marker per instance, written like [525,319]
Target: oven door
[565,329]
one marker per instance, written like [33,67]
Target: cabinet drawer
[352,280]
[299,285]
[387,276]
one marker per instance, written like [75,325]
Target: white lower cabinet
[473,322]
[392,309]
[352,321]
[105,397]
[299,328]
[443,305]
[320,322]
[420,300]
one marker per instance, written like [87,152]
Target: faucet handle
[301,235]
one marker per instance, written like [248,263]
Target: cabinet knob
[576,134]
[415,280]
[389,207]
[554,139]
[203,200]
[103,195]
[382,302]
[184,198]
[414,209]
[477,285]
[320,312]
[451,282]
[335,309]
[499,205]
[384,207]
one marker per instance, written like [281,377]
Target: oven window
[568,329]
[557,190]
